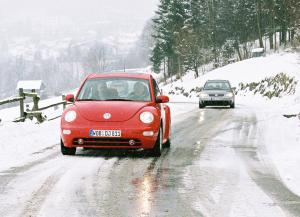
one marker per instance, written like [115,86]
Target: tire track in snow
[9,175]
[36,202]
[90,201]
[261,170]
[158,189]
[206,184]
[119,189]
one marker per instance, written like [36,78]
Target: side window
[156,89]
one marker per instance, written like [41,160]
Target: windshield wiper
[88,100]
[117,100]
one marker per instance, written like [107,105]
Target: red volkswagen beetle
[116,110]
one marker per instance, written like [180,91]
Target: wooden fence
[36,111]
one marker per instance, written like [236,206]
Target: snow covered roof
[31,85]
[257,50]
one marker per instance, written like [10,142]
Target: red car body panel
[125,116]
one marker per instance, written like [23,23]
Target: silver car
[216,93]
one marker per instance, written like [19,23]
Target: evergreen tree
[189,33]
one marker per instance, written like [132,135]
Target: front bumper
[211,101]
[129,134]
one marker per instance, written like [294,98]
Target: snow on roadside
[282,137]
[21,143]
[247,71]
[27,141]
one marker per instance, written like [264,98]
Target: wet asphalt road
[217,166]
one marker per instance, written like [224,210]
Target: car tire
[157,149]
[201,105]
[167,144]
[232,105]
[67,151]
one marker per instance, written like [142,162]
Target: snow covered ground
[22,142]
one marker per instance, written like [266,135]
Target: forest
[191,33]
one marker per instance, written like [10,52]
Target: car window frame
[146,81]
[229,89]
[156,89]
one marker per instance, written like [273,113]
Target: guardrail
[35,112]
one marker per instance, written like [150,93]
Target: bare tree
[96,60]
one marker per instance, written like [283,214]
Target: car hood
[119,111]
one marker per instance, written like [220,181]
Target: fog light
[148,133]
[131,142]
[80,141]
[66,132]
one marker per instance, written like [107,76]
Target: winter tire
[67,151]
[167,144]
[157,149]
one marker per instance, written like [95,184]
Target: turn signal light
[148,133]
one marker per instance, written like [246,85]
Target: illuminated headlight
[147,117]
[203,95]
[70,116]
[229,94]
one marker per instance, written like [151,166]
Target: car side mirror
[70,98]
[233,89]
[162,99]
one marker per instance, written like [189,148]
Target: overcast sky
[78,10]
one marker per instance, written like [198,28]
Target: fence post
[36,99]
[22,114]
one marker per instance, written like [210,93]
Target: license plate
[105,133]
[217,99]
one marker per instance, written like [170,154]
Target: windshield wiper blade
[88,100]
[118,100]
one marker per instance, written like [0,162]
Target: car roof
[122,75]
[217,80]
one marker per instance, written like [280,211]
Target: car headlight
[147,117]
[70,116]
[229,94]
[203,95]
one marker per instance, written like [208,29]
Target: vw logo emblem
[107,116]
[131,142]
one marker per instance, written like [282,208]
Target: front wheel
[201,105]
[67,151]
[167,144]
[157,149]
[232,105]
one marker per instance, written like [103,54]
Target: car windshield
[115,89]
[217,85]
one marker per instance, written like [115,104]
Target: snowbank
[247,71]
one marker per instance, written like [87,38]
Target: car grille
[216,103]
[216,95]
[109,142]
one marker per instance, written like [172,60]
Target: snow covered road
[218,165]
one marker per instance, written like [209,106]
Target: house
[36,86]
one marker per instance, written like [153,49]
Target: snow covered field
[23,142]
